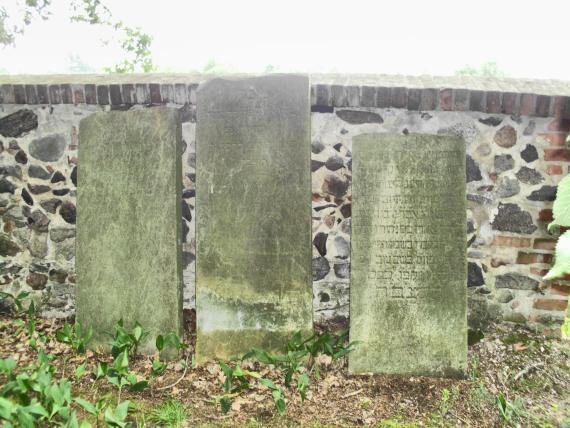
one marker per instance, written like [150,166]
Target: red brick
[558,104]
[445,99]
[528,104]
[493,102]
[559,125]
[550,304]
[545,215]
[509,103]
[538,271]
[554,169]
[557,155]
[544,244]
[511,241]
[530,258]
[555,138]
[560,289]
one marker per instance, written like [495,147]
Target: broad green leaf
[566,327]
[302,384]
[268,383]
[7,365]
[561,208]
[280,404]
[226,404]
[160,342]
[123,409]
[562,258]
[87,406]
[80,371]
[138,386]
[7,408]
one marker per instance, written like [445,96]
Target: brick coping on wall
[525,97]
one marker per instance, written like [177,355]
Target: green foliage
[509,409]
[125,340]
[134,41]
[561,206]
[116,417]
[277,393]
[566,327]
[561,218]
[169,340]
[172,341]
[33,395]
[17,301]
[26,11]
[118,374]
[300,355]
[170,413]
[74,336]
[396,422]
[487,69]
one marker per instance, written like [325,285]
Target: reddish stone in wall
[551,304]
[557,155]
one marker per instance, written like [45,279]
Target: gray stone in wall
[508,187]
[529,154]
[408,299]
[472,170]
[128,237]
[48,149]
[545,193]
[253,276]
[516,281]
[18,123]
[511,218]
[356,117]
[504,163]
[529,176]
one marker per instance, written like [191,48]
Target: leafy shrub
[74,336]
[125,340]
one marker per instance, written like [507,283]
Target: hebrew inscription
[408,284]
[253,178]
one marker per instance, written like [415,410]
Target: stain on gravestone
[253,280]
[409,271]
[128,217]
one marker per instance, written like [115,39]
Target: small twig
[455,415]
[352,394]
[180,378]
[527,369]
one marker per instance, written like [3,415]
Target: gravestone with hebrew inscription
[253,280]
[408,286]
[128,223]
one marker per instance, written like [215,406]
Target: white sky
[526,38]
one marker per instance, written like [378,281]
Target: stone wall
[515,157]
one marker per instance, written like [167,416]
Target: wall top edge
[504,85]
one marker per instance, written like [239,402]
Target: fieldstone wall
[515,158]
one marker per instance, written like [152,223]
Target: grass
[170,413]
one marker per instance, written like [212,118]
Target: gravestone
[128,222]
[408,293]
[253,279]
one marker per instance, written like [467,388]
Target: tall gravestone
[128,243]
[408,287]
[253,279]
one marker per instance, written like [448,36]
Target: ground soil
[531,371]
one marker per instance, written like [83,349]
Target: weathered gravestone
[253,279]
[128,220]
[408,286]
